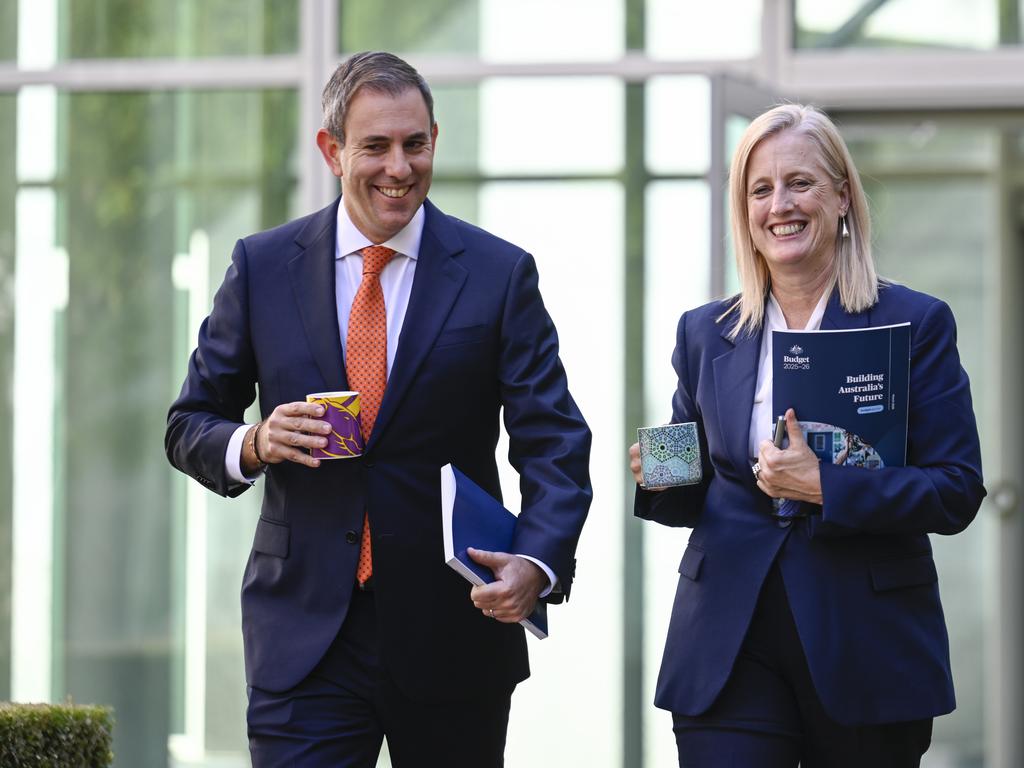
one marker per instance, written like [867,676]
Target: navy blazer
[476,338]
[859,575]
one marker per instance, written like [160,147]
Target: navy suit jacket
[859,575]
[476,338]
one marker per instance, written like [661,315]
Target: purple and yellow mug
[341,411]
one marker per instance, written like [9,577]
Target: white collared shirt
[762,420]
[395,279]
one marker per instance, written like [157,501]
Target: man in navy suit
[334,665]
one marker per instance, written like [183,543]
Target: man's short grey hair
[377,71]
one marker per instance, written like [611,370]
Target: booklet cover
[849,389]
[471,517]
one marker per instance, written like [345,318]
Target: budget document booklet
[849,389]
[471,517]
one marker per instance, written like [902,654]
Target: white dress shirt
[396,281]
[762,420]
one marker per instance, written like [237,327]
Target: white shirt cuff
[552,581]
[233,457]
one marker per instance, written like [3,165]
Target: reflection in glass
[8,30]
[935,231]
[678,116]
[726,29]
[551,126]
[457,111]
[180,28]
[410,26]
[581,281]
[133,193]
[950,24]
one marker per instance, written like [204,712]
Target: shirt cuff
[552,581]
[233,457]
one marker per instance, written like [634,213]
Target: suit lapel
[438,281]
[312,279]
[735,378]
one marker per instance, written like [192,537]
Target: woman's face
[793,206]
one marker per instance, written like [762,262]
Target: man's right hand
[287,435]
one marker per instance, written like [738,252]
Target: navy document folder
[471,517]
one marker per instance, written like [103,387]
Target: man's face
[387,160]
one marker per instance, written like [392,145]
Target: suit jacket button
[351,537]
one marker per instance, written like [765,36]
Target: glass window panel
[921,146]
[581,271]
[676,278]
[8,186]
[678,123]
[8,31]
[148,210]
[904,24]
[936,229]
[551,126]
[727,29]
[735,125]
[460,199]
[180,28]
[933,234]
[539,30]
[410,26]
[457,111]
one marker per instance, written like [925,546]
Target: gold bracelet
[252,445]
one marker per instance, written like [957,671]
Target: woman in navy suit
[809,633]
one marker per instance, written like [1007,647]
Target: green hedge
[55,736]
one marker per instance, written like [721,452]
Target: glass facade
[105,29]
[604,154]
[123,227]
[935,188]
[909,24]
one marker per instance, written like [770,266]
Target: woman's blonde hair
[854,270]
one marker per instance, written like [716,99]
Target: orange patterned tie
[366,363]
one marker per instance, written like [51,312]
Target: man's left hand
[513,595]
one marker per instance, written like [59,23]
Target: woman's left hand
[793,472]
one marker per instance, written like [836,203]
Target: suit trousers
[768,715]
[339,715]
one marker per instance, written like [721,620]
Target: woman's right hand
[634,467]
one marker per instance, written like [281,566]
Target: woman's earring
[846,232]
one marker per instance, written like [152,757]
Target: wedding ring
[756,469]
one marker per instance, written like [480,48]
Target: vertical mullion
[717,175]
[635,183]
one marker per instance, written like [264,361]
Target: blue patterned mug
[669,455]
